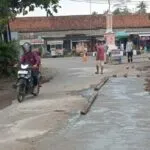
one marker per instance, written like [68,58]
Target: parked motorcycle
[25,84]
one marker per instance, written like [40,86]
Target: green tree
[10,8]
[94,13]
[141,7]
[118,11]
[19,6]
[8,57]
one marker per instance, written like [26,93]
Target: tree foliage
[8,57]
[118,11]
[94,13]
[141,7]
[10,8]
[23,6]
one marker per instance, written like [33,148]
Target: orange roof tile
[84,22]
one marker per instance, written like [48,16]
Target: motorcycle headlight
[24,66]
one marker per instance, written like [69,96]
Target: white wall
[14,36]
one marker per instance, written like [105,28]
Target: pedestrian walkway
[119,120]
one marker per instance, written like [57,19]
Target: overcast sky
[69,7]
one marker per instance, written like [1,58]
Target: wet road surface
[118,120]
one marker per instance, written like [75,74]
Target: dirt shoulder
[8,94]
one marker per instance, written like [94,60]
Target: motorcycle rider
[32,59]
[39,54]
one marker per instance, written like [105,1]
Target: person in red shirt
[100,57]
[32,59]
[39,55]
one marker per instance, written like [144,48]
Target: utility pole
[109,19]
[109,5]
[91,24]
[109,34]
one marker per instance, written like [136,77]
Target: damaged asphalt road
[27,126]
[23,125]
[119,119]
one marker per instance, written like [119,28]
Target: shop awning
[146,34]
[121,34]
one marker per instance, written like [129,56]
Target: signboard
[116,55]
[32,41]
[54,42]
[37,41]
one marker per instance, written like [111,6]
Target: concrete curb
[94,96]
[90,102]
[103,81]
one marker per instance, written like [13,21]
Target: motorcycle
[25,83]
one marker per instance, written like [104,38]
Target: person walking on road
[129,50]
[100,57]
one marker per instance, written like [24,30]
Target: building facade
[73,30]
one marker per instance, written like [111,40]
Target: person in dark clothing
[129,50]
[130,56]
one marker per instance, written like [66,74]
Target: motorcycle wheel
[20,98]
[20,91]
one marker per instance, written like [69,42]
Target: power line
[113,1]
[88,1]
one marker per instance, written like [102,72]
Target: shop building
[79,30]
